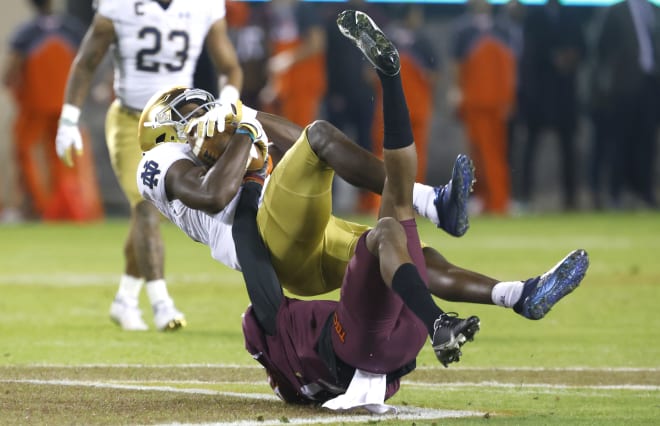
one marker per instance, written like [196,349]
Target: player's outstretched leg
[450,333]
[451,201]
[541,293]
[365,34]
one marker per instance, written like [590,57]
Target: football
[256,160]
[209,149]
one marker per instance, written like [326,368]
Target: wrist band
[244,131]
[253,178]
[70,114]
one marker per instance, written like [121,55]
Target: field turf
[594,360]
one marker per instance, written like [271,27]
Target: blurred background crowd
[556,104]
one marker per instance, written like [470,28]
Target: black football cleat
[364,33]
[450,333]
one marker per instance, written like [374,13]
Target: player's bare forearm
[210,190]
[281,132]
[78,85]
[234,74]
[225,177]
[223,54]
[92,51]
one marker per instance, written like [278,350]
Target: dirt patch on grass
[99,395]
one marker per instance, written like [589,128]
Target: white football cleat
[167,317]
[127,315]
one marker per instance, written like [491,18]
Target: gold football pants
[309,247]
[121,127]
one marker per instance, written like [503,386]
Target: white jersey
[213,231]
[156,47]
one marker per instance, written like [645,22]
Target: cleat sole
[565,278]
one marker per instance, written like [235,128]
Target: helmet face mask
[189,104]
[167,113]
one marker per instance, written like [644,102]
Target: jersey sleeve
[262,284]
[109,8]
[154,166]
[218,10]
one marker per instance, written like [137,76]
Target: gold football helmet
[167,113]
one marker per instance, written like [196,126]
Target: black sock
[411,288]
[396,118]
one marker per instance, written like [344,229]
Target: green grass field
[595,359]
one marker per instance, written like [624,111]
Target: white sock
[129,287]
[423,197]
[507,293]
[157,292]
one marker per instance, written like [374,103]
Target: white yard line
[492,384]
[252,365]
[118,385]
[65,280]
[551,369]
[259,367]
[127,384]
[404,413]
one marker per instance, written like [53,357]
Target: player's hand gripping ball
[209,148]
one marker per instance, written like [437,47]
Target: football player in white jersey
[309,248]
[154,44]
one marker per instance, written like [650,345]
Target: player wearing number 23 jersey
[153,44]
[156,47]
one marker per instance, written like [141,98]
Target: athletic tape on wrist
[70,114]
[244,131]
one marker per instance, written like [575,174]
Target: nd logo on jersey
[150,174]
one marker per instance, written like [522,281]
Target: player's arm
[222,53]
[210,190]
[95,44]
[262,284]
[281,132]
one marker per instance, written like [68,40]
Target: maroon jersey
[376,331]
[296,371]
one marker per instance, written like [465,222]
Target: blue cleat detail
[451,200]
[540,294]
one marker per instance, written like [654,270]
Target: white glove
[68,136]
[215,119]
[229,94]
